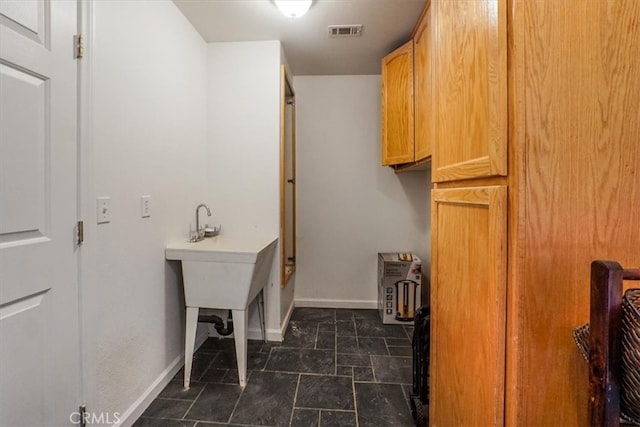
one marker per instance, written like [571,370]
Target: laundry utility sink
[223,272]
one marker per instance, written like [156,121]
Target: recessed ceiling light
[293,8]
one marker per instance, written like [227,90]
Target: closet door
[40,369]
[468,306]
[470,83]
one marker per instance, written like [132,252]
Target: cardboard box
[399,283]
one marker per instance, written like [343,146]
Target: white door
[39,337]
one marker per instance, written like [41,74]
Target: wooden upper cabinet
[423,85]
[397,106]
[470,84]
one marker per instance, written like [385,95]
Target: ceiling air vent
[345,30]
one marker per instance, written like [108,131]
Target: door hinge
[78,46]
[80,231]
[82,410]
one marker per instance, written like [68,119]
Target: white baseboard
[274,335]
[336,303]
[139,406]
[287,317]
[278,335]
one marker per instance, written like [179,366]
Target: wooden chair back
[605,349]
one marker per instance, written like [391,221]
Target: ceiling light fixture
[293,8]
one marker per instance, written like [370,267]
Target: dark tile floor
[336,367]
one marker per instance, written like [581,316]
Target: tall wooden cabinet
[536,170]
[469,265]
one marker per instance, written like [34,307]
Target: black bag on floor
[420,343]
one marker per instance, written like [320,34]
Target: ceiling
[309,50]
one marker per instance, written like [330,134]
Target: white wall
[349,207]
[148,70]
[244,149]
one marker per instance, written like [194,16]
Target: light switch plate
[103,209]
[145,206]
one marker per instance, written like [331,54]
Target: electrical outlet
[145,206]
[103,209]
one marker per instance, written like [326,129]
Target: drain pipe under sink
[218,323]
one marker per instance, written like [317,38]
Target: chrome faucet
[200,233]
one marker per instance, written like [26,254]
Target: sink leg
[189,342]
[240,334]
[261,315]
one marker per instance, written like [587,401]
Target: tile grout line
[335,344]
[353,375]
[233,411]
[407,399]
[355,333]
[203,387]
[373,369]
[295,397]
[355,399]
[194,402]
[268,358]
[204,371]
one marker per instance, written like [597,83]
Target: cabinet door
[397,106]
[468,303]
[470,83]
[423,86]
